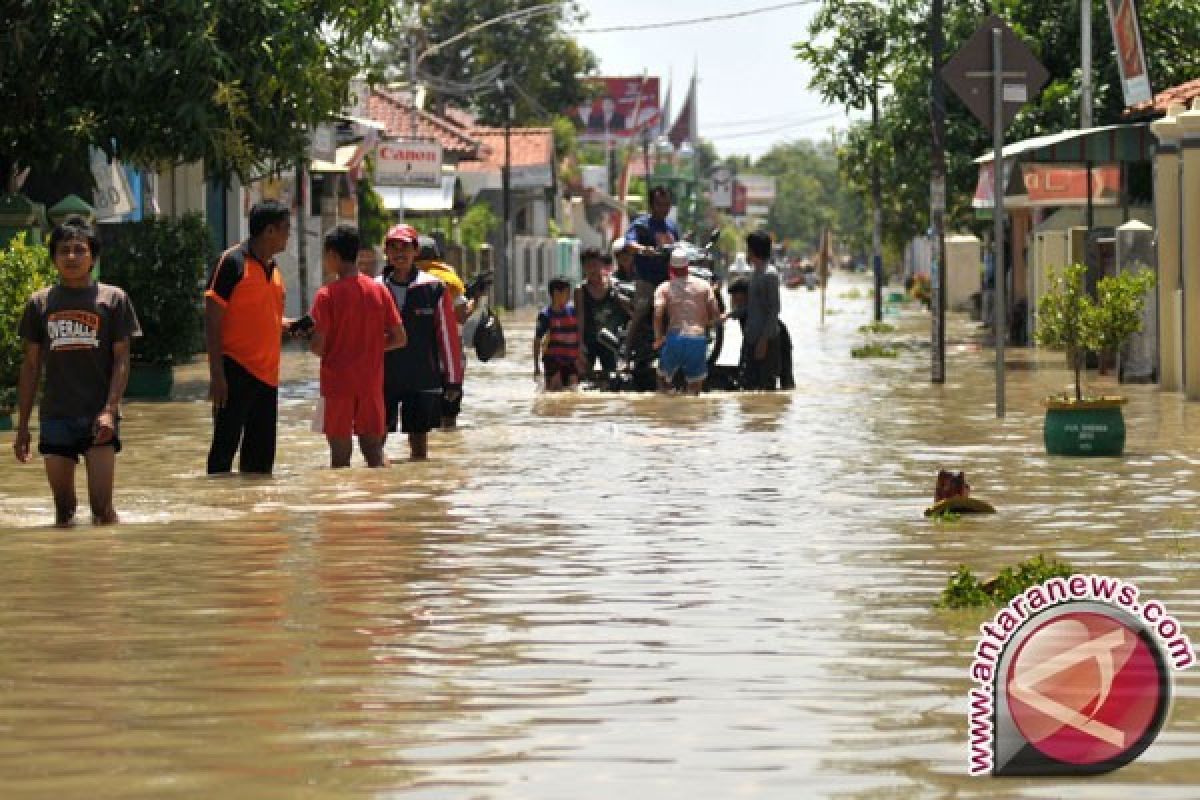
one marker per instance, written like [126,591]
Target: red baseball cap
[401,232]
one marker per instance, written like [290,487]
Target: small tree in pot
[1070,319]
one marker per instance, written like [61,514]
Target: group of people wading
[569,335]
[390,346]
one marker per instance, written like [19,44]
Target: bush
[161,263]
[964,590]
[476,224]
[24,268]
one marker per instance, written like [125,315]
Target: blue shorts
[687,353]
[71,437]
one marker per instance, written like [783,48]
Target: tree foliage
[1070,319]
[1050,27]
[810,195]
[24,268]
[160,262]
[232,83]
[476,225]
[541,58]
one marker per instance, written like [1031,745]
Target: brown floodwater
[580,595]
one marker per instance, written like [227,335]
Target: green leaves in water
[965,590]
[877,327]
[873,351]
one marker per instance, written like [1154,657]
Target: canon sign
[408,163]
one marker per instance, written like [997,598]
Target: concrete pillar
[1189,191]
[1167,221]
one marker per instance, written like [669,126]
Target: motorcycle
[637,369]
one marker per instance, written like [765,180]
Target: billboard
[408,162]
[721,188]
[621,108]
[1131,58]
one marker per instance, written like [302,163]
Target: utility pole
[301,232]
[508,278]
[937,195]
[412,79]
[877,200]
[1085,35]
[1000,311]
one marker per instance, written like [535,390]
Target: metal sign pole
[1000,307]
[937,210]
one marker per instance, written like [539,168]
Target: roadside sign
[721,189]
[324,143]
[408,162]
[995,74]
[969,73]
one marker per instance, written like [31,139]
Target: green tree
[806,191]
[232,83]
[1052,30]
[24,268]
[373,217]
[540,56]
[476,224]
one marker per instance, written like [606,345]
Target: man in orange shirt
[244,326]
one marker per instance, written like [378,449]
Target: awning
[1105,145]
[362,121]
[419,198]
[345,155]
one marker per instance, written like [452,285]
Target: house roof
[395,111]
[1183,93]
[528,147]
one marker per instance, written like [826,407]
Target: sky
[753,93]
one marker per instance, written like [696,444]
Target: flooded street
[580,595]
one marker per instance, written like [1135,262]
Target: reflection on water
[580,595]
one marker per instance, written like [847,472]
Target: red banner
[623,107]
[1051,185]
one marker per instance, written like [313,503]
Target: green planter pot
[1091,428]
[150,382]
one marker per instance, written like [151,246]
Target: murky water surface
[580,595]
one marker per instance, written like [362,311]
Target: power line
[693,21]
[777,119]
[777,128]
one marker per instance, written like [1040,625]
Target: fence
[537,259]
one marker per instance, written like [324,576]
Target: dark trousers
[760,374]
[787,377]
[248,419]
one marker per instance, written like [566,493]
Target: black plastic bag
[489,336]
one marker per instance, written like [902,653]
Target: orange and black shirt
[252,295]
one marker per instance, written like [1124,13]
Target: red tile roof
[1183,93]
[528,147]
[395,111]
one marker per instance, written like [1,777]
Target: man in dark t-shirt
[80,331]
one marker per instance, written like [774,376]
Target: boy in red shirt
[354,322]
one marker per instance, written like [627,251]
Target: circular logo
[1089,689]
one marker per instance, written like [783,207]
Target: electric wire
[694,20]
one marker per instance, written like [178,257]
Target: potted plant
[1070,319]
[161,263]
[24,268]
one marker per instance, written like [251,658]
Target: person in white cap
[684,308]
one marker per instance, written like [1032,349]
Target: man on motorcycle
[649,237]
[623,258]
[598,308]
